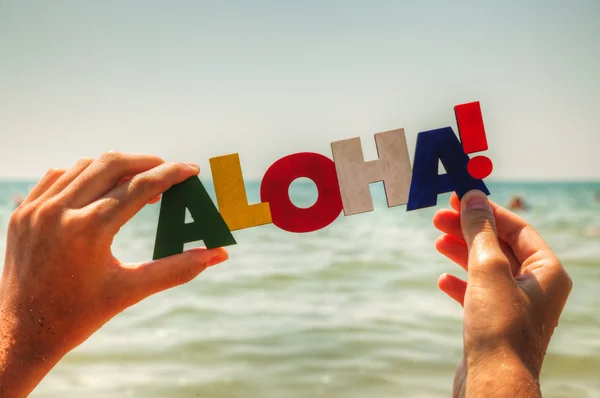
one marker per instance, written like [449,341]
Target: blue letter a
[433,146]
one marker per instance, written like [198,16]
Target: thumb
[486,259]
[149,278]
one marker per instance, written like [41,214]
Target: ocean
[350,311]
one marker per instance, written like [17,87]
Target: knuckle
[184,277]
[53,172]
[70,222]
[174,167]
[41,218]
[84,162]
[492,259]
[481,220]
[179,167]
[489,261]
[48,211]
[569,281]
[176,172]
[99,218]
[147,182]
[111,158]
[22,215]
[142,182]
[563,278]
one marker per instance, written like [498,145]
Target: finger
[455,201]
[528,249]
[487,262]
[520,236]
[535,255]
[143,280]
[106,173]
[453,248]
[43,184]
[125,200]
[151,201]
[63,181]
[453,287]
[448,221]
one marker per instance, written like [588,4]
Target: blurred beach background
[351,310]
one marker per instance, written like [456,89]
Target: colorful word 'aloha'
[342,184]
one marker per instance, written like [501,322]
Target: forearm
[25,354]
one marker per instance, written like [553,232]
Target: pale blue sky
[189,80]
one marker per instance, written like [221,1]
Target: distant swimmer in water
[517,203]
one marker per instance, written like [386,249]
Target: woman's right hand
[516,291]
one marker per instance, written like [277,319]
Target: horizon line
[492,180]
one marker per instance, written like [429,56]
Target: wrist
[503,373]
[28,350]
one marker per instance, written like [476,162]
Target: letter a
[433,146]
[355,175]
[173,232]
[231,195]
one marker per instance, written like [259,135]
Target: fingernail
[218,258]
[477,201]
[193,166]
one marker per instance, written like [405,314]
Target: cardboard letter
[172,231]
[275,190]
[433,146]
[355,175]
[231,195]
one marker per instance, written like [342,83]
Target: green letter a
[172,232]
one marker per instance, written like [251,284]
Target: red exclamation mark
[472,136]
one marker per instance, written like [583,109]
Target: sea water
[351,310]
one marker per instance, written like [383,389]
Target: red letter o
[275,190]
